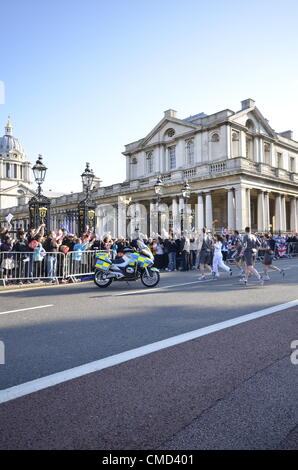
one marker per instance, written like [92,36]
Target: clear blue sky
[84,78]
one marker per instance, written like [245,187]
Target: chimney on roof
[249,103]
[287,134]
[170,113]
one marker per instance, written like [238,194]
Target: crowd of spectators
[37,250]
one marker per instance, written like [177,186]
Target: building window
[279,160]
[7,170]
[190,152]
[150,162]
[267,153]
[292,165]
[21,168]
[235,144]
[250,125]
[249,148]
[215,138]
[15,171]
[170,132]
[172,157]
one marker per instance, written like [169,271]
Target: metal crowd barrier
[292,249]
[28,267]
[81,263]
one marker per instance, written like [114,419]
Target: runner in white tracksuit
[217,257]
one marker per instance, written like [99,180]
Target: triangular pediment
[14,188]
[159,132]
[253,114]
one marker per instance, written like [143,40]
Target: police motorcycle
[133,265]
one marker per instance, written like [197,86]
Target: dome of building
[9,143]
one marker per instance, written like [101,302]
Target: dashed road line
[24,309]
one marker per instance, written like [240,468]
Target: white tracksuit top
[217,249]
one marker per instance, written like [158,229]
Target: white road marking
[24,309]
[95,366]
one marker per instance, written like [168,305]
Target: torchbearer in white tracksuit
[217,257]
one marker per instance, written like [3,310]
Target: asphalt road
[225,378]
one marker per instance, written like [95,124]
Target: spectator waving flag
[63,226]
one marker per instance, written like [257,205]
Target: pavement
[235,388]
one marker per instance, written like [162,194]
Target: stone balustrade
[201,171]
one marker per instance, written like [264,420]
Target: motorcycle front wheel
[150,280]
[101,279]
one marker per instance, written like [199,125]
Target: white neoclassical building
[240,171]
[15,184]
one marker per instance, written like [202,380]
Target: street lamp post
[39,205]
[133,217]
[185,191]
[86,208]
[158,188]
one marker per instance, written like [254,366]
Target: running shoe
[202,278]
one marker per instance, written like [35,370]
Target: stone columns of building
[151,218]
[200,212]
[242,144]
[271,154]
[248,211]
[231,209]
[256,149]
[159,160]
[261,150]
[241,212]
[209,211]
[121,219]
[278,213]
[294,215]
[128,168]
[176,217]
[267,211]
[115,221]
[181,213]
[188,216]
[228,141]
[261,212]
[137,220]
[180,153]
[283,213]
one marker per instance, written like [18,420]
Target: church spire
[8,128]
